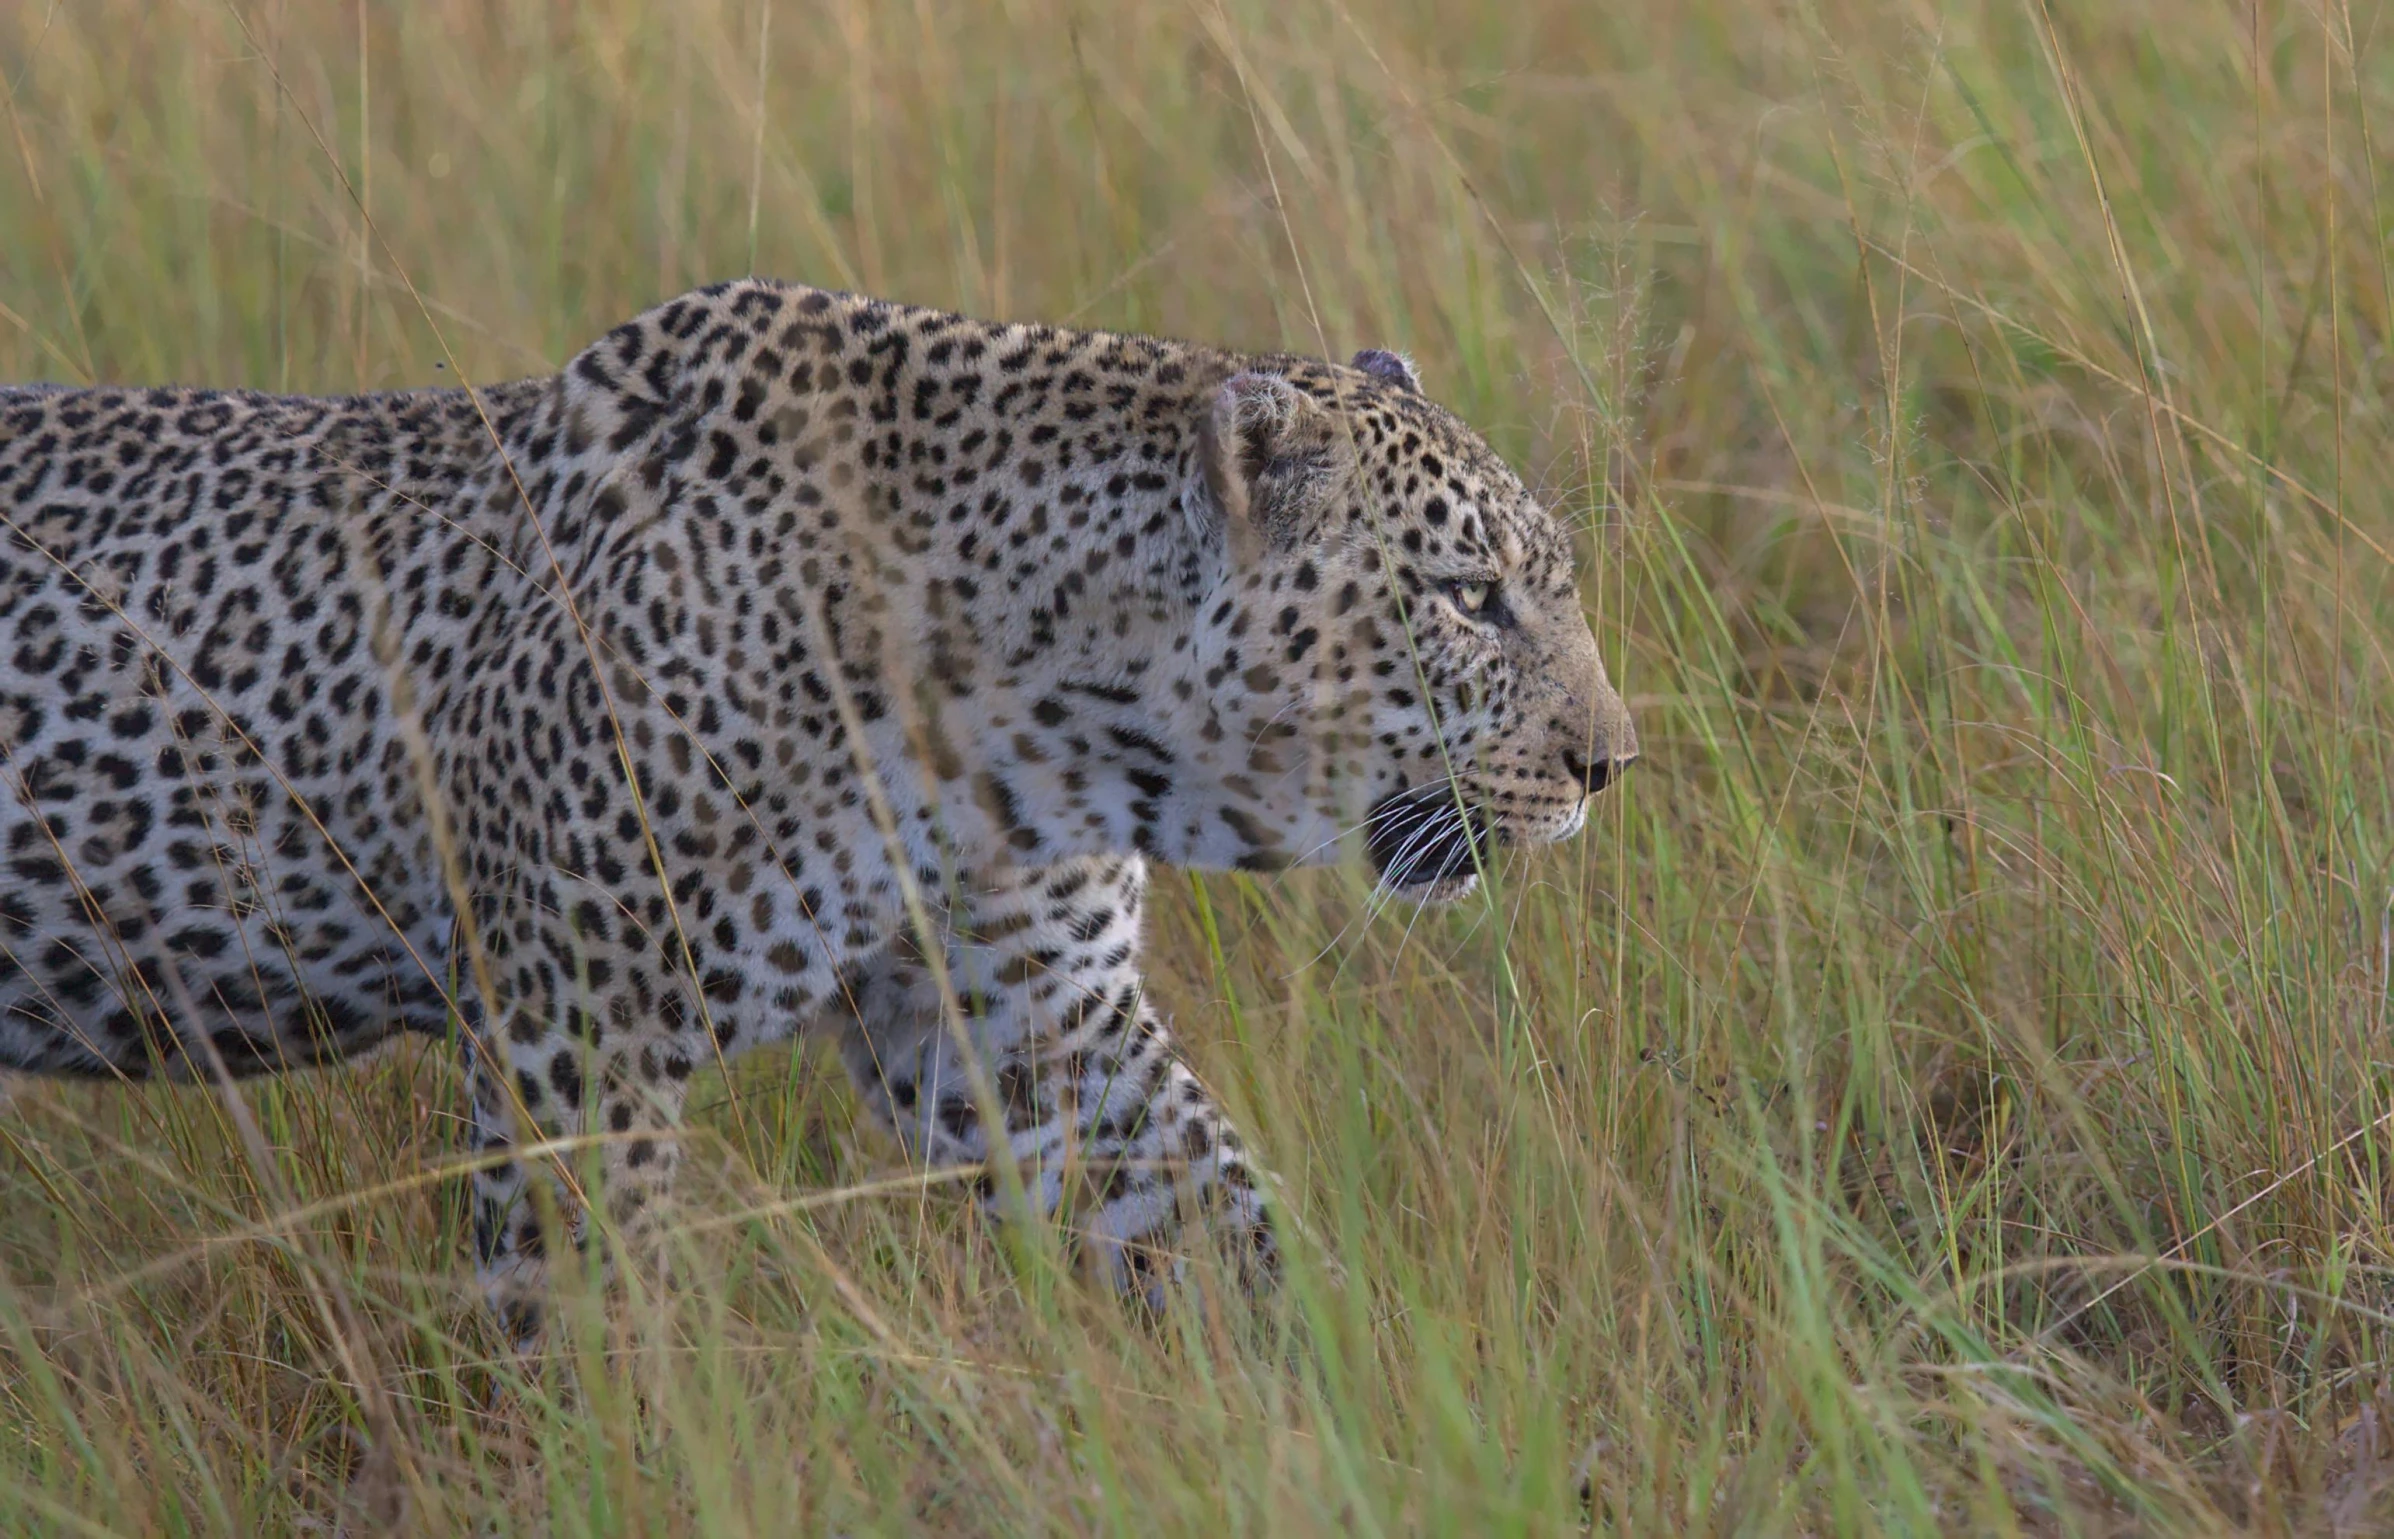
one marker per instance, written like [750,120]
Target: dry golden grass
[1948,1089]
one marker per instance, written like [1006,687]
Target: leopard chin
[1452,889]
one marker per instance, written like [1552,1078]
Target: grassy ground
[1951,1086]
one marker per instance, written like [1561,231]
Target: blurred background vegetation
[1949,1089]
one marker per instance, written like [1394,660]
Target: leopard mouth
[1425,843]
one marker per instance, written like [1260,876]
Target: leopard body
[789,661]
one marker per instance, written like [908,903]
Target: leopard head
[1397,647]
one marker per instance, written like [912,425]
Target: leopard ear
[1395,368]
[1249,420]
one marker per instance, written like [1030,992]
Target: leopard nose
[1595,774]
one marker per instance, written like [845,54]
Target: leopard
[789,665]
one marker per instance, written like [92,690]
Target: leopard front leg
[1102,1117]
[566,1086]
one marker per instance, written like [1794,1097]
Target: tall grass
[1950,1088]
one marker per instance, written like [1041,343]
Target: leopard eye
[1471,597]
